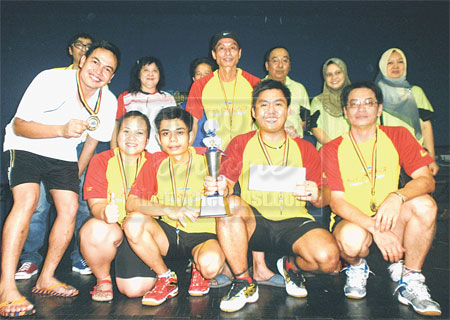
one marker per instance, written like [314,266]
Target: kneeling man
[275,221]
[363,168]
[175,195]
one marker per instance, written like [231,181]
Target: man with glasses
[77,47]
[363,167]
[31,259]
[277,62]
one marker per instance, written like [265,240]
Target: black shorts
[334,221]
[279,236]
[188,241]
[26,167]
[128,265]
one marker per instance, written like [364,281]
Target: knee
[98,233]
[425,209]
[328,258]
[210,264]
[133,227]
[135,289]
[354,241]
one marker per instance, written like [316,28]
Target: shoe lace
[162,283]
[296,277]
[357,275]
[415,284]
[25,266]
[236,286]
[83,262]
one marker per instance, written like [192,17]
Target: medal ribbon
[122,173]
[83,100]
[269,160]
[174,188]
[226,100]
[373,171]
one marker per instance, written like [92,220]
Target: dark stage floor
[325,300]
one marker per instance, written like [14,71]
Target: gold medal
[93,123]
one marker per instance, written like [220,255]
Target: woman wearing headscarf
[330,122]
[403,104]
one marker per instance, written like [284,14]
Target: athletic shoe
[81,267]
[199,286]
[26,271]
[355,287]
[413,291]
[396,270]
[165,287]
[240,293]
[294,280]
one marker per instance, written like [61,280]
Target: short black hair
[196,62]
[137,114]
[359,85]
[268,52]
[77,36]
[135,76]
[105,44]
[171,113]
[268,85]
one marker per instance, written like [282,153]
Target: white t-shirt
[148,104]
[52,99]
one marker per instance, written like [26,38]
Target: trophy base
[214,206]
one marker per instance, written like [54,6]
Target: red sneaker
[199,286]
[26,271]
[164,288]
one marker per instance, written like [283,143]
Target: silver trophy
[215,205]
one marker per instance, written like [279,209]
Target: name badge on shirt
[275,178]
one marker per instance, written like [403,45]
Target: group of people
[144,194]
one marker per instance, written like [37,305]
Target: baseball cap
[222,35]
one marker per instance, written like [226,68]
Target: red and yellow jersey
[207,95]
[187,194]
[105,176]
[245,150]
[396,149]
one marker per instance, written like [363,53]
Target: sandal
[97,293]
[50,291]
[12,314]
[219,281]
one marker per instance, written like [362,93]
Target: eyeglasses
[81,46]
[367,103]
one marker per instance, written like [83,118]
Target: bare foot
[56,286]
[13,303]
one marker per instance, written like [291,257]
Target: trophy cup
[215,205]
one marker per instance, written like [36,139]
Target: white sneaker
[413,291]
[295,282]
[396,270]
[241,293]
[355,287]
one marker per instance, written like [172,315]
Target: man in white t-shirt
[57,110]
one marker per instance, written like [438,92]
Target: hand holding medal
[74,128]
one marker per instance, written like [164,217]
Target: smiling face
[279,64]
[149,76]
[226,53]
[362,109]
[203,69]
[132,137]
[174,138]
[334,77]
[271,111]
[395,67]
[97,70]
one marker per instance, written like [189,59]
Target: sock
[407,270]
[165,274]
[249,279]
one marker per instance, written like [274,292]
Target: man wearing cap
[225,94]
[277,62]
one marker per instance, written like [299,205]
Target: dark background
[34,37]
